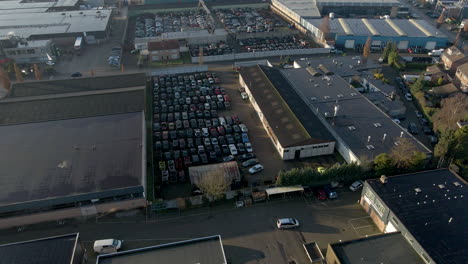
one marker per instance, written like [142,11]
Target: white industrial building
[295,132]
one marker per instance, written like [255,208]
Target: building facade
[164,50]
[461,77]
[37,51]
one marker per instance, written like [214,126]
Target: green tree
[393,58]
[386,51]
[440,81]
[460,148]
[383,165]
[418,85]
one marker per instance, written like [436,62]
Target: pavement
[249,234]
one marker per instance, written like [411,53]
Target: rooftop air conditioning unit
[383,179]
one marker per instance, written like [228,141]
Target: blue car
[331,194]
[245,138]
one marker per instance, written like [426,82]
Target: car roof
[286,220]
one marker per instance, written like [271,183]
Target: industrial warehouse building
[50,250]
[386,248]
[204,250]
[304,9]
[93,131]
[294,130]
[361,130]
[58,26]
[324,105]
[353,33]
[429,209]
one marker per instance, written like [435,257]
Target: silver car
[285,223]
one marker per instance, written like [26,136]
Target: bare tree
[441,19]
[213,184]
[453,109]
[366,49]
[402,153]
[19,76]
[325,26]
[4,79]
[37,72]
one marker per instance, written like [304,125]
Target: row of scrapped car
[248,20]
[151,25]
[274,43]
[187,129]
[220,48]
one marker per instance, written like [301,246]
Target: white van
[107,245]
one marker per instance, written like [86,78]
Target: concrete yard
[249,234]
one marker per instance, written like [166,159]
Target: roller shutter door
[349,44]
[403,44]
[430,45]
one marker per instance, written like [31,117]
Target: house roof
[163,45]
[453,54]
[463,69]
[432,206]
[387,248]
[433,69]
[447,89]
[205,250]
[293,124]
[50,250]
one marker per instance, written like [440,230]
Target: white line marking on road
[363,226]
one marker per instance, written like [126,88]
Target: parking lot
[249,20]
[249,234]
[191,127]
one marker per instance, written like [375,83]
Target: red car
[179,164]
[236,120]
[217,91]
[187,161]
[226,98]
[221,130]
[320,194]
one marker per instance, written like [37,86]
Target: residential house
[164,50]
[461,77]
[453,58]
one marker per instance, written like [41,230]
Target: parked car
[243,128]
[249,162]
[412,128]
[356,185]
[418,114]
[228,158]
[286,223]
[107,245]
[248,147]
[408,97]
[233,149]
[320,194]
[256,169]
[244,96]
[247,156]
[245,138]
[331,194]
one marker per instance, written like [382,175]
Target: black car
[246,156]
[76,74]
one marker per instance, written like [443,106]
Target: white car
[408,97]
[356,185]
[244,95]
[248,147]
[233,149]
[256,169]
[285,223]
[107,245]
[243,128]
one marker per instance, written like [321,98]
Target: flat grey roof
[69,158]
[36,88]
[21,4]
[436,217]
[50,23]
[357,118]
[303,8]
[410,27]
[358,2]
[344,66]
[207,250]
[71,105]
[50,250]
[387,248]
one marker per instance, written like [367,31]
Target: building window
[409,238]
[31,51]
[11,52]
[378,206]
[395,220]
[369,195]
[426,258]
[286,150]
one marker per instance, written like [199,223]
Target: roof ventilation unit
[383,179]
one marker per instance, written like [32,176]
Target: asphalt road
[249,234]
